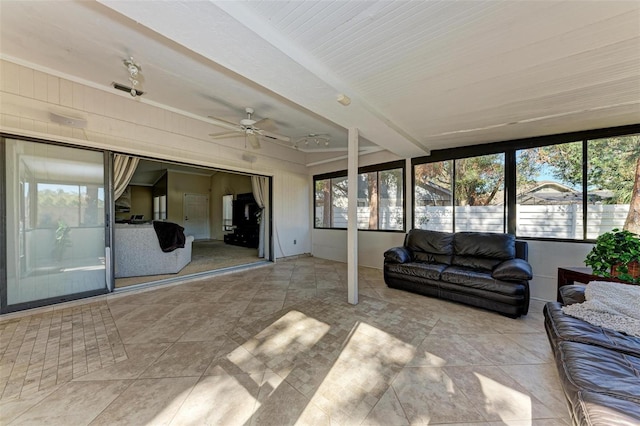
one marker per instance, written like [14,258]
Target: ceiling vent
[126,89]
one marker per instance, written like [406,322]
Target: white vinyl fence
[551,221]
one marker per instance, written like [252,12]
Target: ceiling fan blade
[253,140]
[275,136]
[225,135]
[266,124]
[226,124]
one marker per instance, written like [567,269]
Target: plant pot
[634,269]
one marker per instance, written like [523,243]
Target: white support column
[352,216]
[408,196]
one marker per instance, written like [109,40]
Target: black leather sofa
[486,270]
[599,368]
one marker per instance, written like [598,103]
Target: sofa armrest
[572,294]
[513,270]
[398,255]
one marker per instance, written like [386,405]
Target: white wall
[118,122]
[544,256]
[292,200]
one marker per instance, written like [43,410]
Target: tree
[478,179]
[632,223]
[614,165]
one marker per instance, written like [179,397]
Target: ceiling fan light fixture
[134,70]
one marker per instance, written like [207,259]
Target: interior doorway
[196,216]
[194,199]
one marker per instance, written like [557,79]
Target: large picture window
[433,196]
[555,187]
[380,198]
[549,191]
[479,194]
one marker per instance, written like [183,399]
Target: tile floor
[277,345]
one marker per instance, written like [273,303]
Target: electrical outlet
[295,242]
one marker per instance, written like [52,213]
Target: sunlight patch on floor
[504,401]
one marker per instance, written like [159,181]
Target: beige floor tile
[279,345]
[536,343]
[279,403]
[233,359]
[140,357]
[436,351]
[10,409]
[184,359]
[541,381]
[148,401]
[388,411]
[496,395]
[429,395]
[75,403]
[500,349]
[221,400]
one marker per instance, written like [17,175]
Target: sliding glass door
[55,224]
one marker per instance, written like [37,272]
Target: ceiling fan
[253,130]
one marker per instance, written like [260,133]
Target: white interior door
[196,216]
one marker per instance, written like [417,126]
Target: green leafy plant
[615,249]
[62,240]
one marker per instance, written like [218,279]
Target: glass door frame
[108,215]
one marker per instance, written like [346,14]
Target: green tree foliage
[478,179]
[612,164]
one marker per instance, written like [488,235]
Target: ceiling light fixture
[318,139]
[344,99]
[134,70]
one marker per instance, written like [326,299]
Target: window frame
[509,148]
[392,165]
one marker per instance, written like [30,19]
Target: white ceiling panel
[421,74]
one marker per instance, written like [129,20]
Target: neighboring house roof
[548,192]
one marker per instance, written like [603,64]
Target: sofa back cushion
[483,250]
[430,246]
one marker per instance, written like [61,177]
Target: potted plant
[616,255]
[62,240]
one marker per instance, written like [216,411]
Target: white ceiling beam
[232,36]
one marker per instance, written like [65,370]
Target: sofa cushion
[481,281]
[592,368]
[430,271]
[484,264]
[430,246]
[593,408]
[397,255]
[561,326]
[485,244]
[513,270]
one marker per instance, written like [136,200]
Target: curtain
[259,187]
[123,168]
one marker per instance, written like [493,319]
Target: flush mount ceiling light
[316,139]
[343,99]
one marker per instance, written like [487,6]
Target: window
[612,167]
[479,194]
[433,196]
[73,205]
[573,186]
[380,198]
[549,191]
